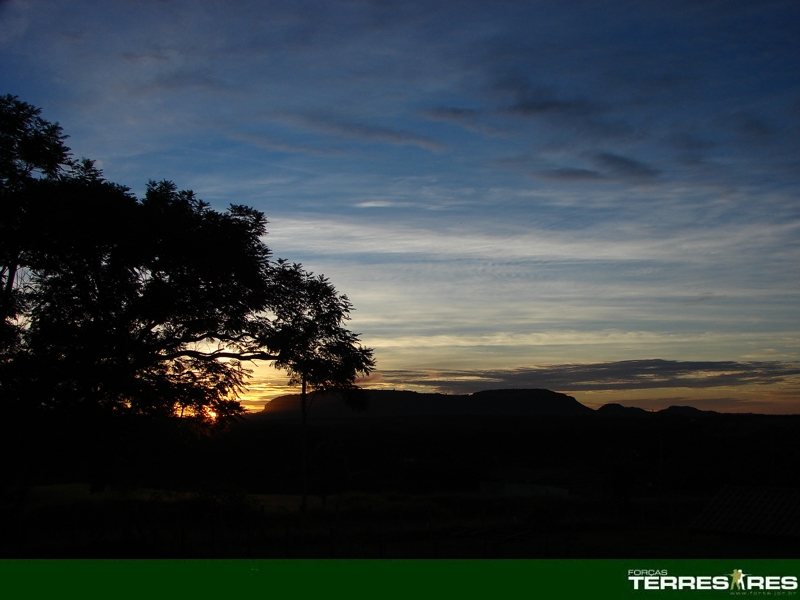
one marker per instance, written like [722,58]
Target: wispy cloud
[529,101]
[181,80]
[606,167]
[571,174]
[382,204]
[270,142]
[361,132]
[623,242]
[622,375]
[14,20]
[469,118]
[624,167]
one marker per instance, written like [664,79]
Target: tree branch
[216,354]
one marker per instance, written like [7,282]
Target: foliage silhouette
[317,351]
[315,348]
[146,307]
[30,148]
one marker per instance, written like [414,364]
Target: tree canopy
[315,348]
[149,306]
[30,148]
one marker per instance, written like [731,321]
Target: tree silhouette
[148,307]
[314,347]
[151,306]
[30,148]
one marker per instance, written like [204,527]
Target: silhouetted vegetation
[434,486]
[118,311]
[145,307]
[315,349]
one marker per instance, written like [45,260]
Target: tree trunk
[8,289]
[304,449]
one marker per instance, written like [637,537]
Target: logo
[737,582]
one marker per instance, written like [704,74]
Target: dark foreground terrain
[583,485]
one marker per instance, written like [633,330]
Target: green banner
[406,579]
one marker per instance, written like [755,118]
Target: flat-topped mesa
[388,403]
[527,402]
[686,411]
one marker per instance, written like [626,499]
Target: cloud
[139,58]
[544,104]
[625,168]
[621,241]
[609,167]
[266,141]
[751,126]
[571,174]
[622,375]
[361,132]
[453,114]
[471,119]
[701,298]
[689,142]
[382,204]
[14,20]
[196,79]
[569,113]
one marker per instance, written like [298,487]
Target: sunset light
[454,280]
[490,193]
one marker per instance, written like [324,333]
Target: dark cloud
[701,298]
[689,142]
[365,133]
[543,104]
[196,79]
[469,118]
[623,167]
[572,113]
[752,126]
[271,143]
[610,167]
[571,174]
[138,58]
[458,115]
[623,375]
[692,149]
[530,100]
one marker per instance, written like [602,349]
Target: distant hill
[686,411]
[615,410]
[395,403]
[633,411]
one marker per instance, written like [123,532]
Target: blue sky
[599,198]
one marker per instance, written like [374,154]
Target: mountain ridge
[500,402]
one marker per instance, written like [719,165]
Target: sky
[599,198]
